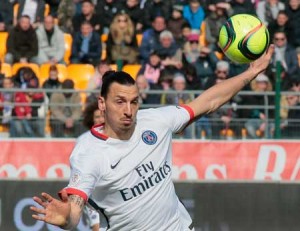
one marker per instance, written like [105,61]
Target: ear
[101,104]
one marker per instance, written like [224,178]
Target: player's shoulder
[160,111]
[87,144]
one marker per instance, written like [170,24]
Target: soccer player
[126,163]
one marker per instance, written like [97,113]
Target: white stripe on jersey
[131,180]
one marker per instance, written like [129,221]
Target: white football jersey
[131,180]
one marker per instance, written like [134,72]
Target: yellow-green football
[243,38]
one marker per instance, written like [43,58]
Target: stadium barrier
[198,130]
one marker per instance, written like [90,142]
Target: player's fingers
[47,197]
[37,210]
[39,201]
[271,49]
[37,217]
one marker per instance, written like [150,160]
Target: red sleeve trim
[190,111]
[73,191]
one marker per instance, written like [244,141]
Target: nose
[128,110]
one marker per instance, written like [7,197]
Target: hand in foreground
[263,62]
[53,211]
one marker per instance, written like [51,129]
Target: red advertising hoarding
[192,160]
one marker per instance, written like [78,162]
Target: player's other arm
[213,98]
[64,213]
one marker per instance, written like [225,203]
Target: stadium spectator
[51,47]
[6,15]
[220,74]
[22,43]
[291,128]
[179,98]
[107,9]
[267,11]
[65,108]
[23,77]
[191,48]
[86,46]
[95,82]
[258,119]
[169,52]
[194,14]
[153,8]
[293,12]
[52,82]
[280,24]
[242,7]
[175,23]
[185,32]
[145,96]
[121,44]
[192,80]
[218,14]
[35,9]
[150,38]
[65,13]
[151,70]
[222,120]
[88,14]
[6,101]
[205,64]
[136,14]
[287,56]
[27,121]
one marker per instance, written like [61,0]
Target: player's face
[120,108]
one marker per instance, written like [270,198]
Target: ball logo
[149,137]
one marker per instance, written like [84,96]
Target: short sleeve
[85,171]
[176,117]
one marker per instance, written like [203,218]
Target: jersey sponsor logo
[113,166]
[149,178]
[149,137]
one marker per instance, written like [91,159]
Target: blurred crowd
[175,45]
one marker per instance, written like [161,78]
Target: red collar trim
[95,130]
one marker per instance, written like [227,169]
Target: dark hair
[111,77]
[87,1]
[67,84]
[88,114]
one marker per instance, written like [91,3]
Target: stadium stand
[6,69]
[80,74]
[33,66]
[68,47]
[132,69]
[3,39]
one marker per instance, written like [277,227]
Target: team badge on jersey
[149,137]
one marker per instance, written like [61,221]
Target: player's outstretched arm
[64,213]
[214,97]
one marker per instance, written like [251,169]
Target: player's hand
[53,211]
[263,62]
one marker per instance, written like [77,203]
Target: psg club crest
[149,137]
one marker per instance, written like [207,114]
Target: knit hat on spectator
[262,78]
[193,37]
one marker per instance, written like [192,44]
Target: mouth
[127,121]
